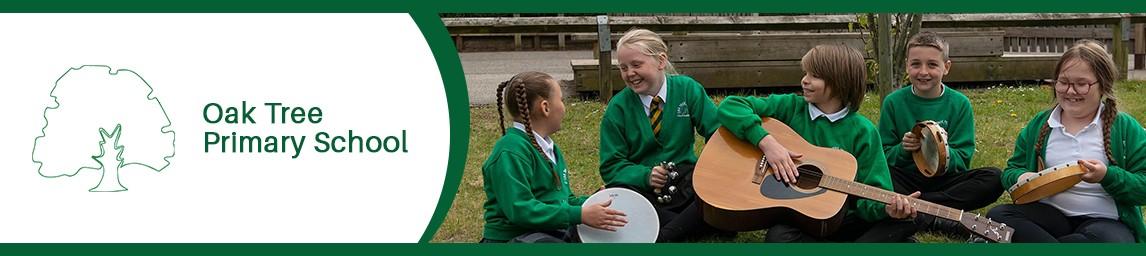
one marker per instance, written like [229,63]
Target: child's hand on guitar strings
[600,216]
[657,177]
[1095,170]
[780,159]
[910,142]
[901,208]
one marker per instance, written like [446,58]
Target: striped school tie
[655,115]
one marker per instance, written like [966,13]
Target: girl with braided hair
[1083,127]
[526,182]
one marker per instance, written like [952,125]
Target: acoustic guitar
[739,193]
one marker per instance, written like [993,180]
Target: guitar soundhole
[807,184]
[809,176]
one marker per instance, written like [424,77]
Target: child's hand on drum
[910,142]
[600,216]
[1095,170]
[900,208]
[657,177]
[780,159]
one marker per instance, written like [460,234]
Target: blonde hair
[843,70]
[648,43]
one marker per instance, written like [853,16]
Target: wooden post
[458,43]
[561,37]
[1139,46]
[517,36]
[1119,42]
[884,80]
[605,58]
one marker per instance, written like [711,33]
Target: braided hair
[516,95]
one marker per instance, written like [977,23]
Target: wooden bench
[770,60]
[501,42]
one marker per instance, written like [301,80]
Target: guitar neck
[887,197]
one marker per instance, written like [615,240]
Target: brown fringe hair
[930,39]
[842,69]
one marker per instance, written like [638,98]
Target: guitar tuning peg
[672,175]
[672,189]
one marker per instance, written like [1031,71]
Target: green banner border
[425,13]
[581,6]
[457,98]
[572,249]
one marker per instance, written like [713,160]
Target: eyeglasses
[1061,86]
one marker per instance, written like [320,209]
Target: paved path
[484,70]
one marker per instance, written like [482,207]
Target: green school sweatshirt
[1125,180]
[521,196]
[902,109]
[854,134]
[628,148]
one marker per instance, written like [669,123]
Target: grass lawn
[1000,112]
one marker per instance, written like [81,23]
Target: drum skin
[931,158]
[643,226]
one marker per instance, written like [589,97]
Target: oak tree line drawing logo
[103,120]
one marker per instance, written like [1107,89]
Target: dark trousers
[852,229]
[967,191]
[568,235]
[680,218]
[1041,223]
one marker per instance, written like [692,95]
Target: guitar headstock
[986,228]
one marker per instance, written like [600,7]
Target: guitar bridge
[758,176]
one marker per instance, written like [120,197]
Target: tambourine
[932,157]
[644,224]
[1046,183]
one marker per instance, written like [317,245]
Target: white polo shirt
[1084,199]
[546,143]
[815,112]
[663,93]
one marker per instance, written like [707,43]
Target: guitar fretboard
[887,197]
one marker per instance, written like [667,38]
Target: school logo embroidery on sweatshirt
[682,110]
[942,123]
[565,177]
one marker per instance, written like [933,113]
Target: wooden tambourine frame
[1048,182]
[933,143]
